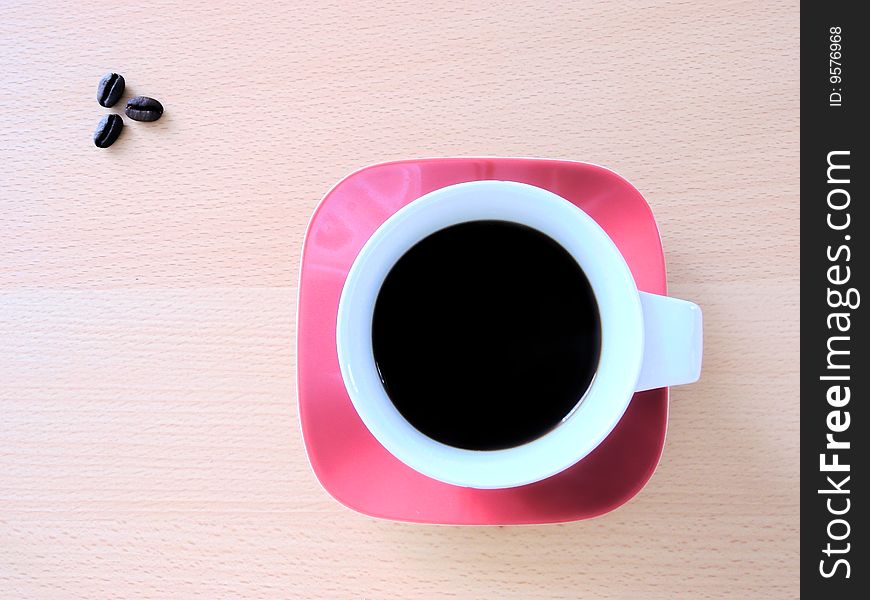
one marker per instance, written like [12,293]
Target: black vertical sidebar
[835,370]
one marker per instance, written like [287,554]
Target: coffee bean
[110,89]
[108,130]
[143,108]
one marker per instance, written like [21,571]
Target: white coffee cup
[647,341]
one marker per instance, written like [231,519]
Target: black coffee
[110,89]
[143,108]
[108,130]
[486,335]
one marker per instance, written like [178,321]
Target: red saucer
[352,466]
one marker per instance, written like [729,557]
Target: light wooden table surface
[149,442]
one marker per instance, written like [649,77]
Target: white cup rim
[620,312]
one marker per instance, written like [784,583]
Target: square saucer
[350,463]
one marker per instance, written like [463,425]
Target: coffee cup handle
[673,342]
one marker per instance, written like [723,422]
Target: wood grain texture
[149,443]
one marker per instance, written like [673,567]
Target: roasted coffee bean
[108,130]
[143,108]
[110,89]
